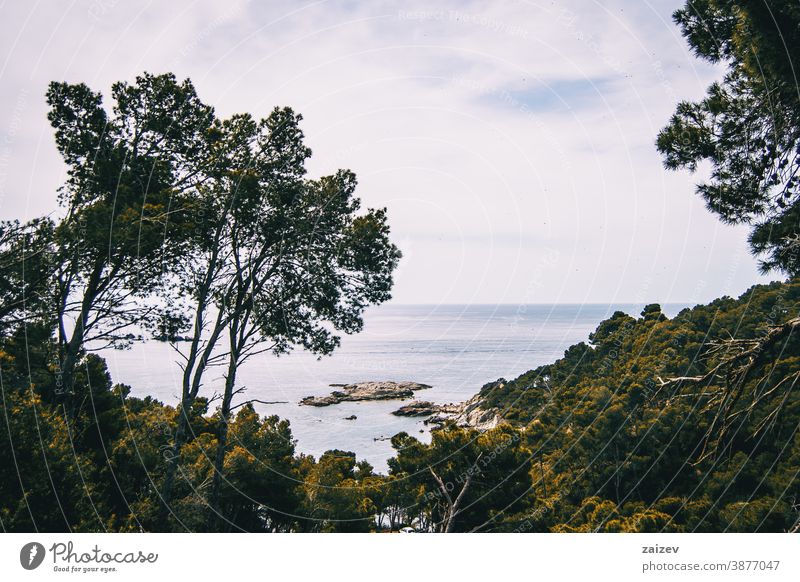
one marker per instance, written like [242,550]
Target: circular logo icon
[31,555]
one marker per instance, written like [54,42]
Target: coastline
[455,349]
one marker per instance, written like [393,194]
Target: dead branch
[740,357]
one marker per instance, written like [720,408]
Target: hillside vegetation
[608,438]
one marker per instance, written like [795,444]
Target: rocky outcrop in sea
[362,391]
[472,413]
[425,408]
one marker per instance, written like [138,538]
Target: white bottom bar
[389,557]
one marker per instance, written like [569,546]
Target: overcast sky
[512,142]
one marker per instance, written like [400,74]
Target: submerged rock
[416,408]
[425,408]
[362,391]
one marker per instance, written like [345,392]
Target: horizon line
[571,303]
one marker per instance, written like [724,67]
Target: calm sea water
[454,348]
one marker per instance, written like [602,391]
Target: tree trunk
[192,375]
[173,460]
[65,385]
[215,517]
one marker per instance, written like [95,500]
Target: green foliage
[748,125]
[599,440]
[175,220]
[462,480]
[122,228]
[619,448]
[336,494]
[261,486]
[27,261]
[46,488]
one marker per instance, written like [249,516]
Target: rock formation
[471,414]
[425,408]
[366,391]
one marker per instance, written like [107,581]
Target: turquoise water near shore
[454,348]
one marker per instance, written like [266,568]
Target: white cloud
[499,135]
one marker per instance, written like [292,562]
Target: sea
[454,348]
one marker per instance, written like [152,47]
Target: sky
[511,142]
